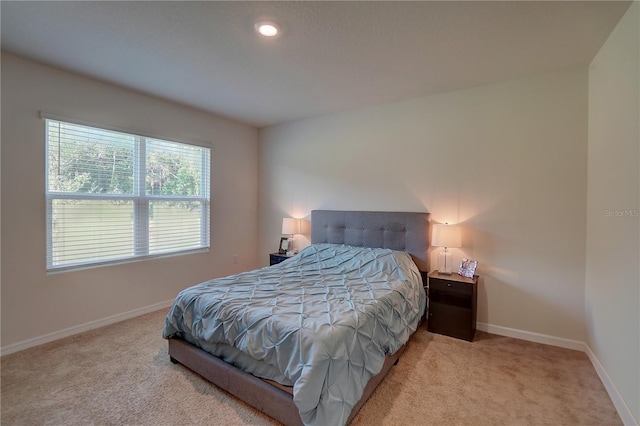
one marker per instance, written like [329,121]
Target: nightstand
[453,301]
[277,258]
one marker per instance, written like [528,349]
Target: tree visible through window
[114,196]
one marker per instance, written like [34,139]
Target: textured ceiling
[331,56]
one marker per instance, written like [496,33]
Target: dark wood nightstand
[453,301]
[277,258]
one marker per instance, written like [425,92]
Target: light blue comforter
[321,321]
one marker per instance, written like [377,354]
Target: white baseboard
[29,343]
[532,337]
[621,407]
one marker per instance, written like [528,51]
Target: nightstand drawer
[275,258]
[437,284]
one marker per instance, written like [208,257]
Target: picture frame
[284,245]
[468,268]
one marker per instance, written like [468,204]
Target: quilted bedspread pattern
[321,321]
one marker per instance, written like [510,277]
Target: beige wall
[35,303]
[613,193]
[508,161]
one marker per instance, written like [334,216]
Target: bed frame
[401,231]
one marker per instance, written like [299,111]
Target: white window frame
[140,199]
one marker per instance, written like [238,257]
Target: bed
[307,341]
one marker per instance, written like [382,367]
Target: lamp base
[444,263]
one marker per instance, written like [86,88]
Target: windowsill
[75,268]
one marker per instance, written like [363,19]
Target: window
[113,196]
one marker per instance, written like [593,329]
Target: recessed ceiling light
[267,28]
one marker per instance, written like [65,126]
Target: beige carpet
[121,374]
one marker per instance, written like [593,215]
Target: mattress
[322,322]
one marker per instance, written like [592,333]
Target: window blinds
[113,196]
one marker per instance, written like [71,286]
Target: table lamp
[290,227]
[445,235]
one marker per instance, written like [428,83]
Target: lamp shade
[446,236]
[290,226]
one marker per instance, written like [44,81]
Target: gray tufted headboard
[400,231]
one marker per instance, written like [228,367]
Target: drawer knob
[448,284]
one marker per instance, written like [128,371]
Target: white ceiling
[331,56]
